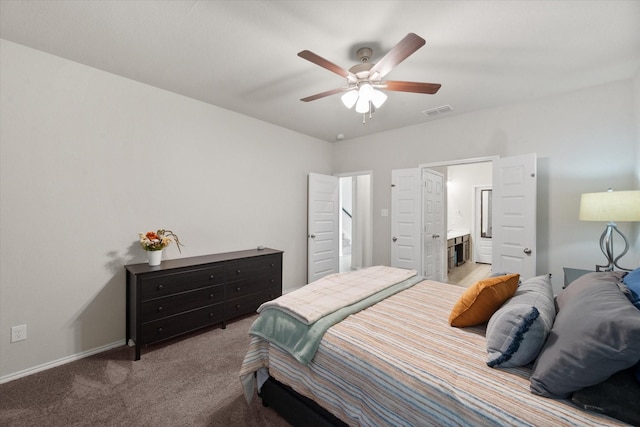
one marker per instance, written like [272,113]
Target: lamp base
[606,245]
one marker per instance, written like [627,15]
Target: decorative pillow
[478,303]
[503,273]
[616,397]
[632,281]
[517,331]
[596,333]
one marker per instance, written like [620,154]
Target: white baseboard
[64,360]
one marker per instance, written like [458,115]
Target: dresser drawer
[166,306]
[241,288]
[253,267]
[167,284]
[247,304]
[169,327]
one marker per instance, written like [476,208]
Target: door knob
[395,239]
[313,236]
[527,251]
[435,236]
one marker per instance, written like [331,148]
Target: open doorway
[346,222]
[338,222]
[460,249]
[355,222]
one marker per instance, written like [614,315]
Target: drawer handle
[210,296]
[210,314]
[238,271]
[211,277]
[237,306]
[160,330]
[238,289]
[160,308]
[160,287]
[273,281]
[273,265]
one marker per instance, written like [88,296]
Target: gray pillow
[596,334]
[617,397]
[517,331]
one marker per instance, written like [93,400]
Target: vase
[154,257]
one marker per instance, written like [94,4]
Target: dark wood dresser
[186,294]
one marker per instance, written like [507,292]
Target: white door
[514,215]
[323,226]
[405,219]
[433,219]
[483,212]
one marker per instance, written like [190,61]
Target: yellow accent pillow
[478,303]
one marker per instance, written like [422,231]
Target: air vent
[438,110]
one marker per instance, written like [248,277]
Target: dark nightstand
[571,274]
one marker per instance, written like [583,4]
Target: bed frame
[295,408]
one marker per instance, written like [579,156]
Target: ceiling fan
[364,80]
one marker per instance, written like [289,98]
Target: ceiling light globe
[362,106]
[378,98]
[349,99]
[366,91]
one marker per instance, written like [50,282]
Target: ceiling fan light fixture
[365,78]
[362,106]
[349,98]
[365,91]
[378,98]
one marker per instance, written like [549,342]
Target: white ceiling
[241,55]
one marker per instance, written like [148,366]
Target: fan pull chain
[364,115]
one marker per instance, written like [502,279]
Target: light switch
[384,212]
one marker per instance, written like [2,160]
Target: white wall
[89,159]
[461,183]
[585,141]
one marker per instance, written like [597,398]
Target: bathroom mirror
[485,213]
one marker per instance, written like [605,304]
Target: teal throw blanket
[301,340]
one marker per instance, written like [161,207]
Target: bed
[396,362]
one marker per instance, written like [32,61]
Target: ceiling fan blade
[394,85]
[318,60]
[408,45]
[324,94]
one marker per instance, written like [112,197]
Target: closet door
[405,219]
[514,215]
[435,236]
[322,226]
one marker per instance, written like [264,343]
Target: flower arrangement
[158,240]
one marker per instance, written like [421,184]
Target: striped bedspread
[301,340]
[399,363]
[331,293]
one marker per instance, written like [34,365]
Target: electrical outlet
[18,333]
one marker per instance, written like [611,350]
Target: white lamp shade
[610,206]
[349,99]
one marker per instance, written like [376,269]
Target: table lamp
[611,207]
